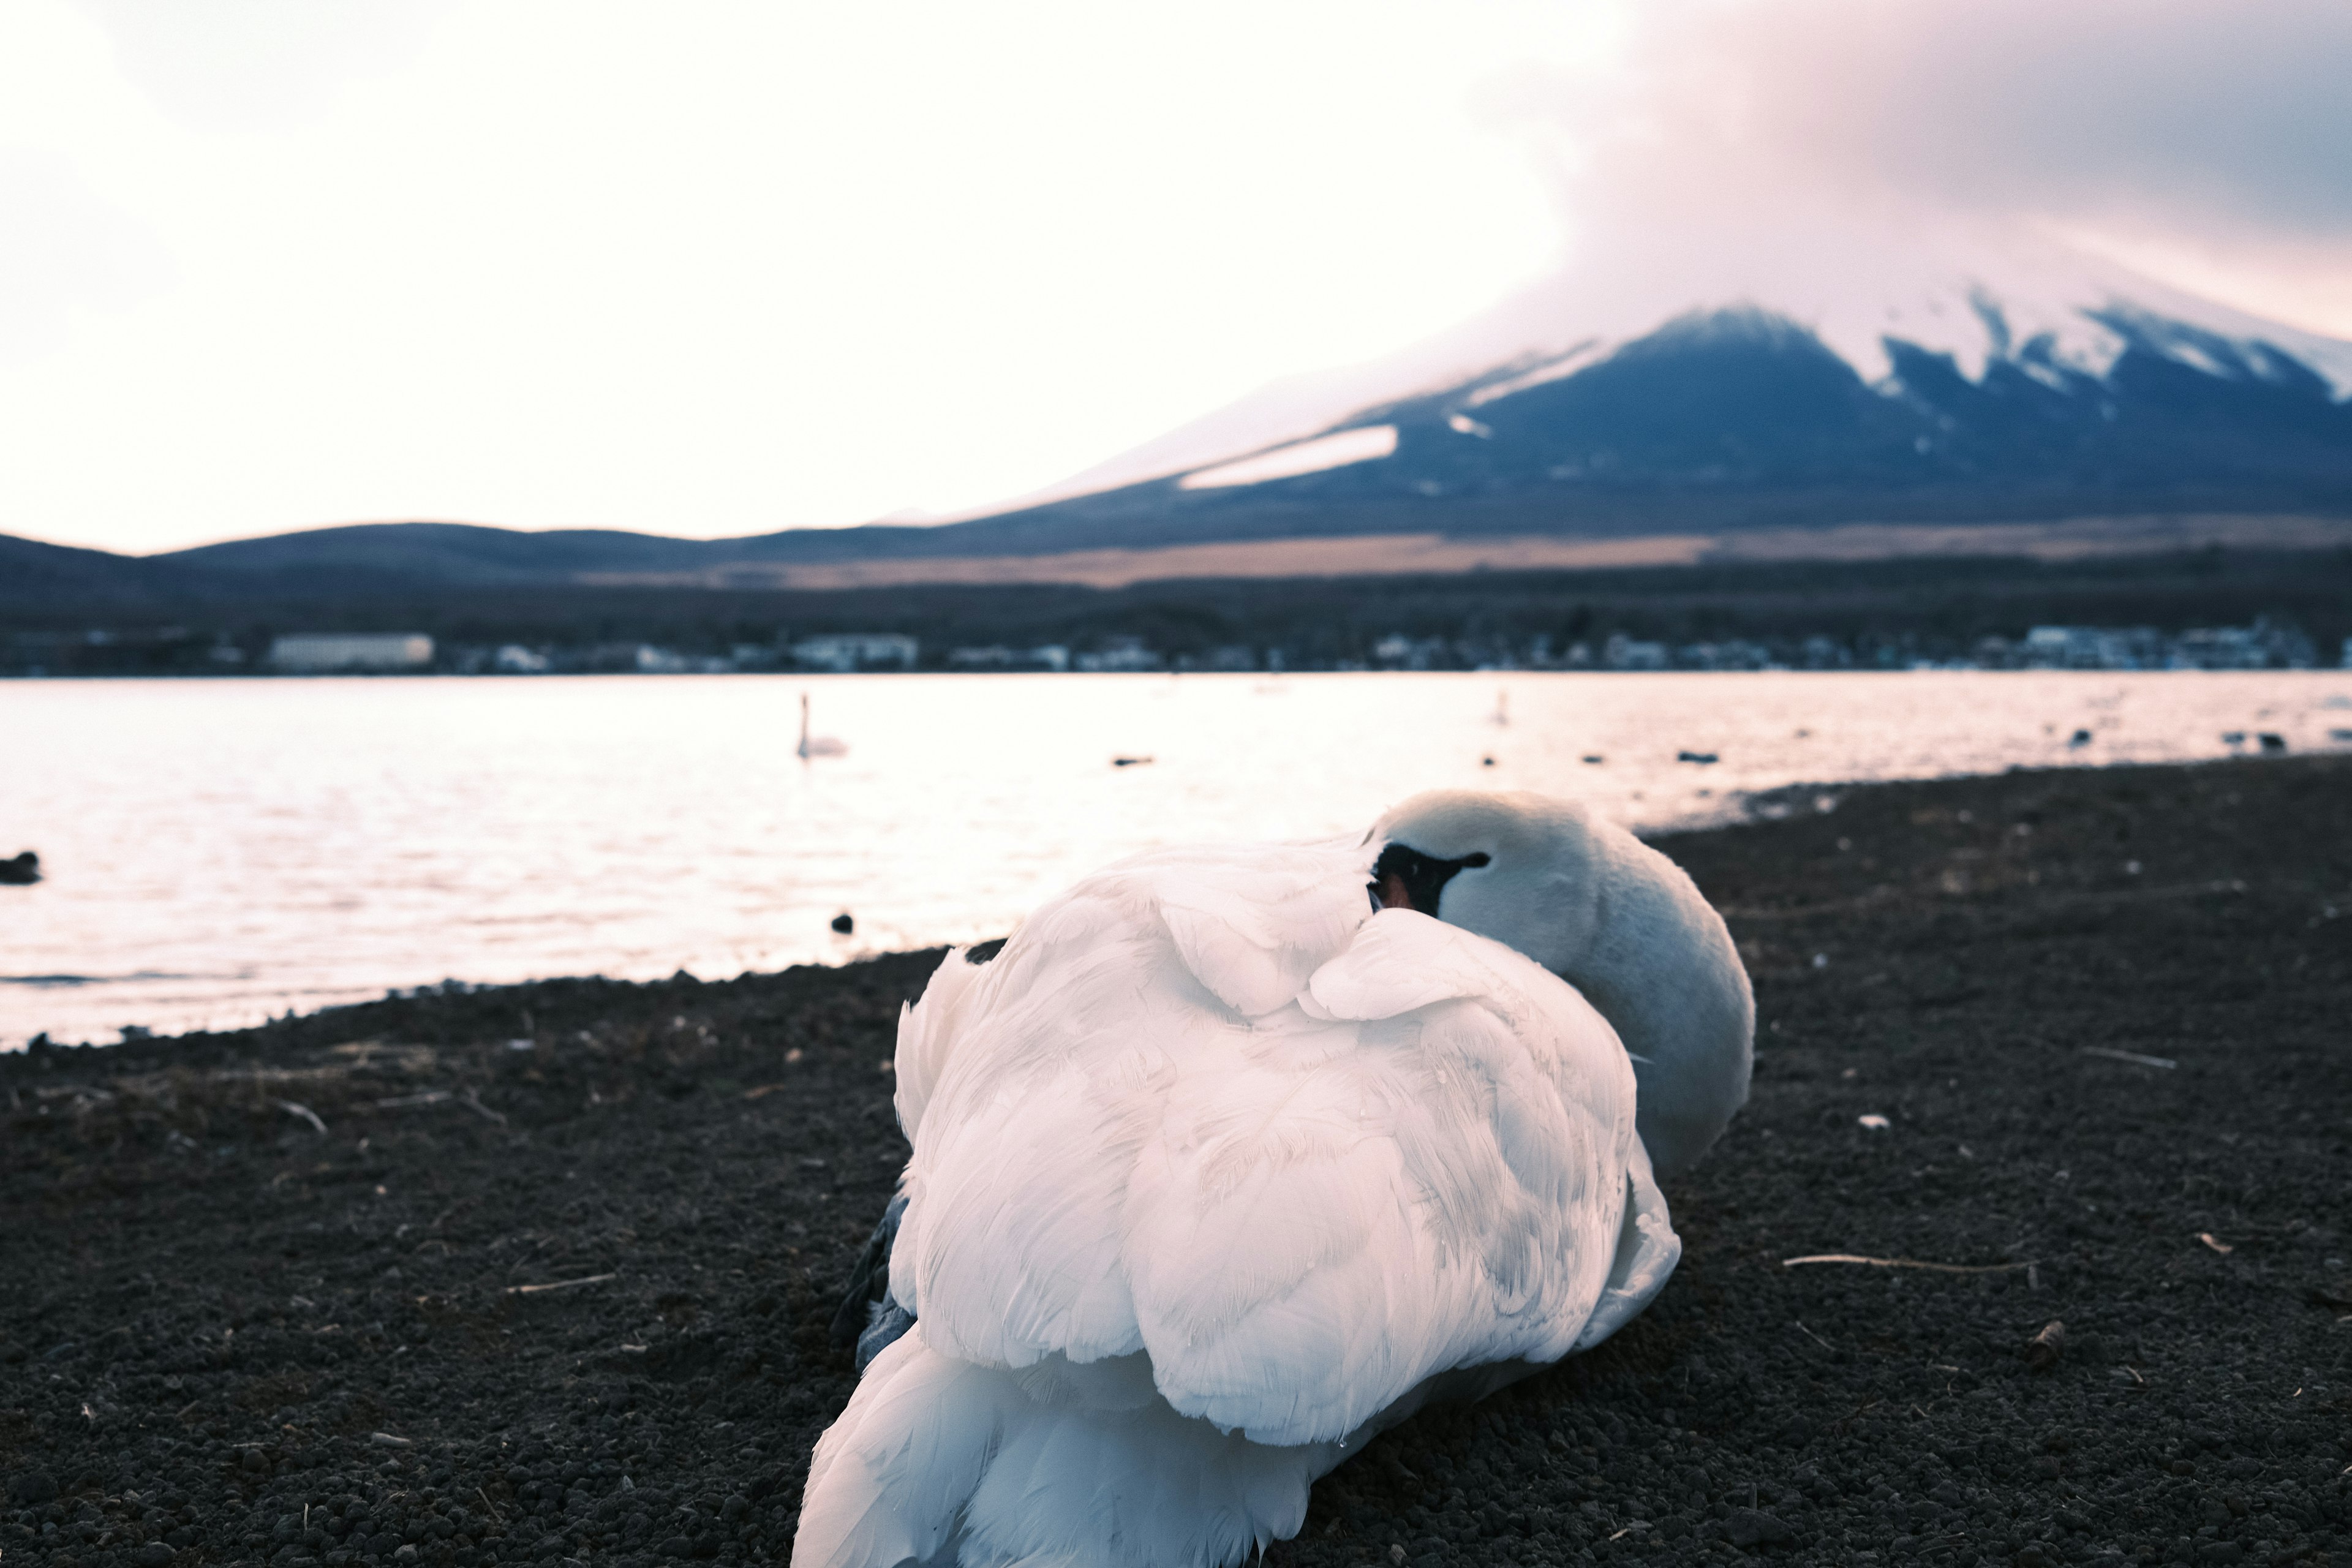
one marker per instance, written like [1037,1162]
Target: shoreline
[544,1272]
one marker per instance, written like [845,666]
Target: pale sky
[715,269]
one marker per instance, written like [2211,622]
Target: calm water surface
[221,851]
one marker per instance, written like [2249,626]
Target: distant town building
[308,653]
[516,660]
[1053,657]
[845,651]
[1736,653]
[2265,645]
[1621,652]
[2093,648]
[1126,654]
[1398,651]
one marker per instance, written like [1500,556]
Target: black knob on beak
[1405,878]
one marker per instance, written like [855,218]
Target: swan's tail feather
[1647,1251]
[937,1461]
[890,1479]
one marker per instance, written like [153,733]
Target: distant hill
[35,572]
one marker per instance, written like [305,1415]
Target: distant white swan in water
[817,745]
[1221,1166]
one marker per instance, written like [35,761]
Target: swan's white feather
[1215,1173]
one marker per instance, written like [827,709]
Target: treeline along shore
[2030,1247]
[2292,605]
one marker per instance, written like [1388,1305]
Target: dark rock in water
[844,923]
[2274,744]
[2079,738]
[1130,762]
[1702,758]
[22,871]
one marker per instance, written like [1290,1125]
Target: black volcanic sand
[554,1280]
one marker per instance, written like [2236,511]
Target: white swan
[817,745]
[1218,1172]
[1616,920]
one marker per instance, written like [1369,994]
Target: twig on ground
[559,1285]
[1814,1337]
[293,1107]
[2209,1239]
[489,1504]
[2129,1057]
[472,1100]
[1905,1263]
[430,1097]
[761,1089]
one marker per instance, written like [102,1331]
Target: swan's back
[1215,1171]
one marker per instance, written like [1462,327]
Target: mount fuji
[1716,379]
[1724,389]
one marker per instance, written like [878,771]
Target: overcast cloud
[2193,136]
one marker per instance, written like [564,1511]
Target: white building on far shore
[849,651]
[317,653]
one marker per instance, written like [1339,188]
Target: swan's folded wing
[1009,1247]
[1300,1214]
[1027,1128]
[1252,923]
[928,1030]
[1431,1176]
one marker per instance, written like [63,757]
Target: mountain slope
[33,573]
[2020,385]
[1993,301]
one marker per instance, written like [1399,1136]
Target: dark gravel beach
[545,1272]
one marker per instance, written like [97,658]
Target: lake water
[219,852]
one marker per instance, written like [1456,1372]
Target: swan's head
[1516,868]
[1608,914]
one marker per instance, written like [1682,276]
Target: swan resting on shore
[1221,1167]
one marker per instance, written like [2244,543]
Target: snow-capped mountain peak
[1921,315]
